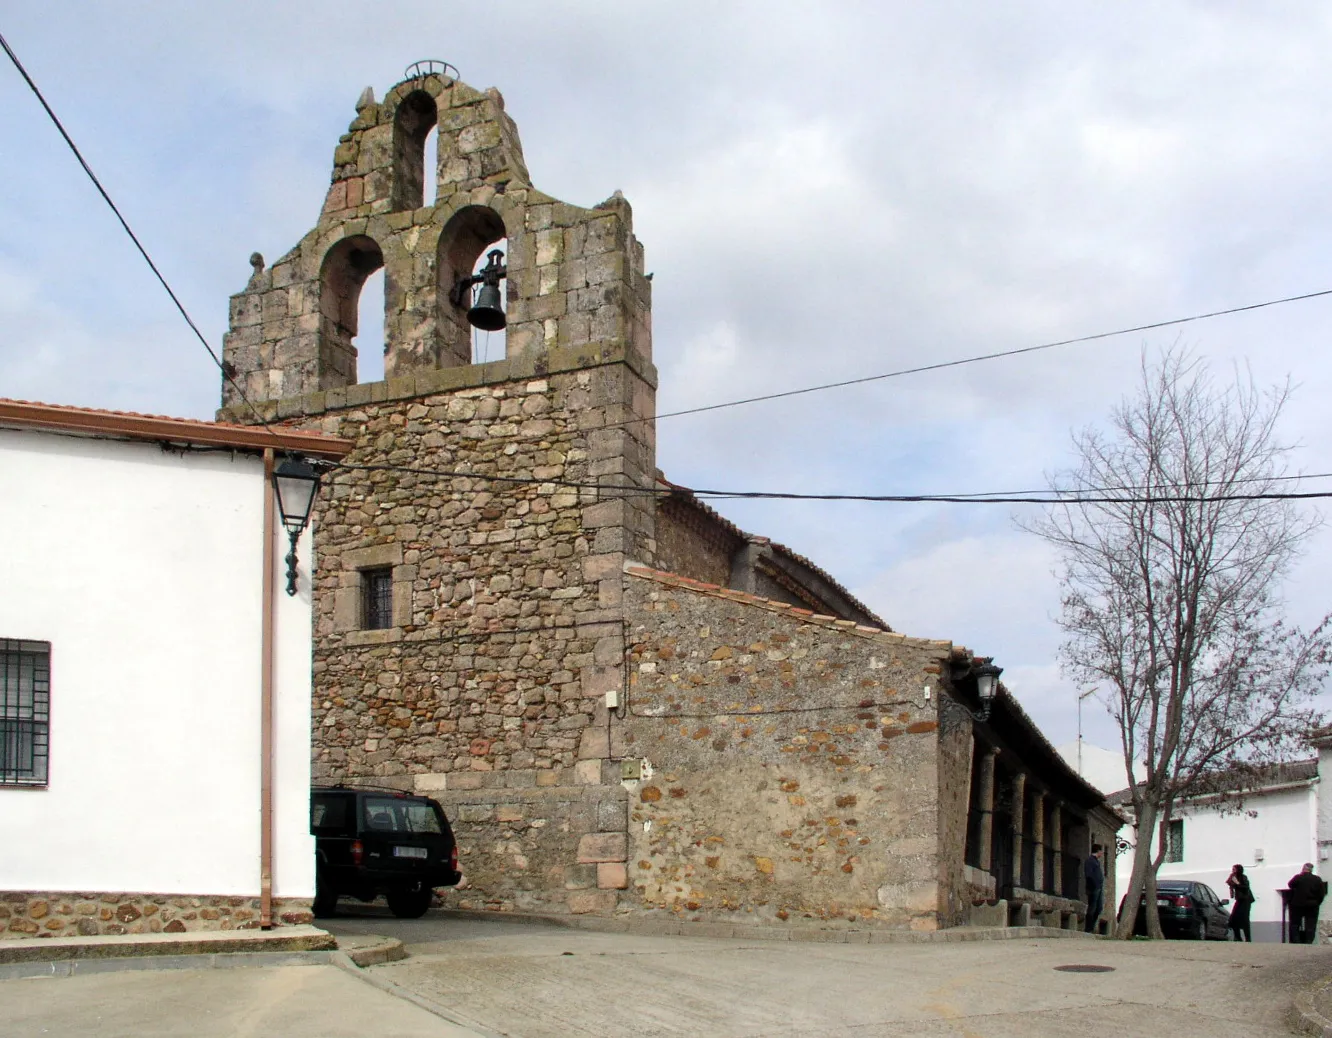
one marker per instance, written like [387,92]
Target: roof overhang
[22,414]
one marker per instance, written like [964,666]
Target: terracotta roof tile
[162,428]
[687,495]
[803,615]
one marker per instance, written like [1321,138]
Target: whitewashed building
[1271,829]
[154,676]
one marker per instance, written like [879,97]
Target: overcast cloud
[824,192]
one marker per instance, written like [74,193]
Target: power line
[1017,497]
[106,197]
[974,360]
[1094,496]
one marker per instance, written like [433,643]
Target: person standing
[1307,891]
[1241,896]
[1094,874]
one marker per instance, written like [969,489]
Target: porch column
[1038,839]
[986,807]
[1019,802]
[1057,844]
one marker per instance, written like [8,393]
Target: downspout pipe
[266,702]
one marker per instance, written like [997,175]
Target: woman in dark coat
[1241,897]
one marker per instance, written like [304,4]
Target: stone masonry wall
[488,689]
[956,744]
[88,914]
[692,545]
[790,762]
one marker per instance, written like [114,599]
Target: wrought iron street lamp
[987,684]
[296,482]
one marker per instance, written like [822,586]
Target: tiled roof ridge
[755,538]
[1268,776]
[79,409]
[636,569]
[138,425]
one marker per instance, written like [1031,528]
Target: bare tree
[1173,551]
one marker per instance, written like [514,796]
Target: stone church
[627,705]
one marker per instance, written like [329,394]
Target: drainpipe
[266,705]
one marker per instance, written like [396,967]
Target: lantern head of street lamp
[295,481]
[987,684]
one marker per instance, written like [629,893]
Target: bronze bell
[486,312]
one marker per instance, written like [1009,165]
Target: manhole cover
[1085,968]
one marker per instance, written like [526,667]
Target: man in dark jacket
[1094,874]
[1307,891]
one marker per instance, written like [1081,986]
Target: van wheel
[325,900]
[406,903]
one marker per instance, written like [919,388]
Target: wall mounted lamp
[987,684]
[296,482]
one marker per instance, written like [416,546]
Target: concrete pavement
[287,1001]
[471,977]
[540,982]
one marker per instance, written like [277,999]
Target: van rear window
[328,815]
[389,814]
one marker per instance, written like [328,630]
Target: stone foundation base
[88,914]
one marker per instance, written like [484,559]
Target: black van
[380,841]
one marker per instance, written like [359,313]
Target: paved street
[287,1001]
[534,981]
[540,982]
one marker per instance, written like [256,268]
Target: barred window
[25,711]
[377,598]
[1175,840]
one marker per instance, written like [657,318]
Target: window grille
[25,711]
[1175,841]
[377,598]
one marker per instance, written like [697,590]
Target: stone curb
[127,963]
[739,931]
[286,939]
[1305,1015]
[376,952]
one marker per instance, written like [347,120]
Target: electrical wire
[106,197]
[961,361]
[1017,497]
[1057,497]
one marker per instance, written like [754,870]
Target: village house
[626,704]
[1271,820]
[154,691]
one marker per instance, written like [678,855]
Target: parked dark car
[1188,910]
[380,841]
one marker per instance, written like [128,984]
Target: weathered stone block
[588,772]
[599,903]
[612,875]
[603,847]
[594,743]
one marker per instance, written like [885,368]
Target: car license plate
[410,852]
[1163,902]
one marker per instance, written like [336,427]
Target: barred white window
[1175,840]
[25,711]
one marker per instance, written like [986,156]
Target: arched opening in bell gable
[415,118]
[369,339]
[430,165]
[342,279]
[465,247]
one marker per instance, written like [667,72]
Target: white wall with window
[1271,832]
[130,667]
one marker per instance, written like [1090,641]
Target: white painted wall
[143,570]
[1280,823]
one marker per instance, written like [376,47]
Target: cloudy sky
[824,192]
